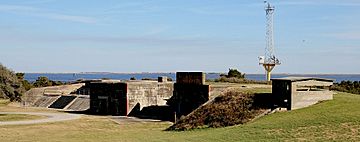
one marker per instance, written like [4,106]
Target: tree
[10,86]
[27,85]
[235,73]
[43,81]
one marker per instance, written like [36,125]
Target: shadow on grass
[162,113]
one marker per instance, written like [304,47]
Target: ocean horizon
[70,77]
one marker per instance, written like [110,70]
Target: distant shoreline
[175,73]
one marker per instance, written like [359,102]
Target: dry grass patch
[231,108]
[4,102]
[18,117]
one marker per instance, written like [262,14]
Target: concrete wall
[306,98]
[301,99]
[148,93]
[121,98]
[312,83]
[298,94]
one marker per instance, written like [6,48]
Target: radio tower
[269,61]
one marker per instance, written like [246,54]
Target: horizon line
[183,71]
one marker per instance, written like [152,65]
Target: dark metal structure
[108,98]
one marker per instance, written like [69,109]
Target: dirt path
[51,117]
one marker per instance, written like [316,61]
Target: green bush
[45,82]
[234,73]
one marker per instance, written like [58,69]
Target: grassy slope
[332,120]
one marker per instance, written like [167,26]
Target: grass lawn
[336,120]
[18,117]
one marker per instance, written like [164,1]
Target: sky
[321,36]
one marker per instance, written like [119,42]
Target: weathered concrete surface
[45,101]
[121,98]
[34,94]
[51,117]
[302,99]
[312,83]
[148,93]
[299,92]
[81,103]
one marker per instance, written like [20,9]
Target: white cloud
[133,7]
[32,11]
[17,8]
[73,18]
[39,1]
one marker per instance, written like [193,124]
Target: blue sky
[321,36]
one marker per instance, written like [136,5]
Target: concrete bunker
[299,92]
[65,97]
[113,97]
[141,98]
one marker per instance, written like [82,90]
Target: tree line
[347,86]
[13,85]
[41,81]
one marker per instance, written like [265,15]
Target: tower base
[268,69]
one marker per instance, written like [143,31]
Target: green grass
[18,117]
[336,120]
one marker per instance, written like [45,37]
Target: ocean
[69,77]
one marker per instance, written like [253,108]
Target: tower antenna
[269,61]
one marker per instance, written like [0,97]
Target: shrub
[234,73]
[42,82]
